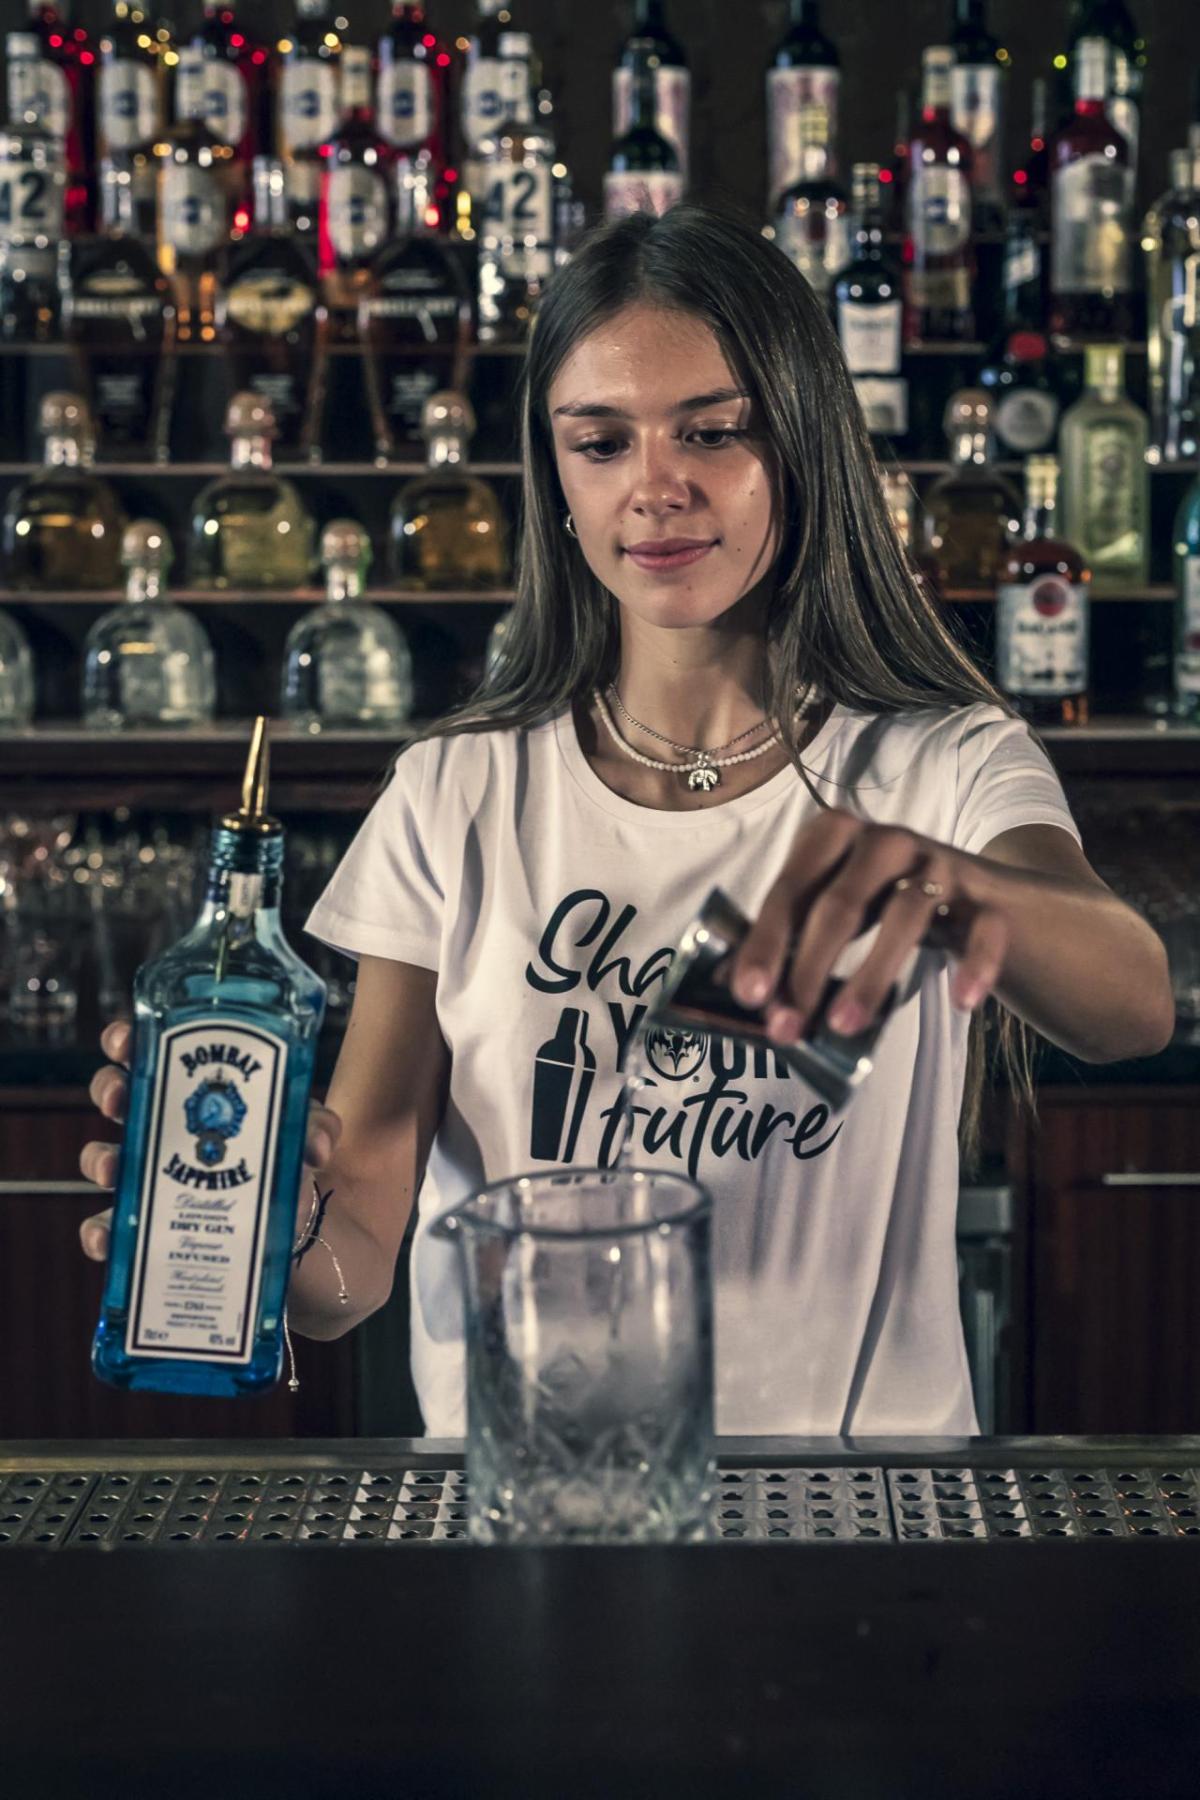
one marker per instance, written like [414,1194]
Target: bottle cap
[250,415]
[1103,366]
[145,544]
[345,541]
[447,412]
[937,56]
[1091,68]
[1041,480]
[252,814]
[65,415]
[970,409]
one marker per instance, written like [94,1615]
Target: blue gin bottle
[204,1210]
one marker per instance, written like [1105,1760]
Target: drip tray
[408,1503]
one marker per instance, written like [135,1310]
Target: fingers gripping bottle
[225,1032]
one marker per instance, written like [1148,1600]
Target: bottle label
[128,104]
[1111,489]
[975,111]
[268,301]
[1091,206]
[202,1218]
[355,78]
[308,103]
[405,103]
[357,212]
[31,201]
[871,336]
[518,219]
[1026,419]
[37,85]
[816,241]
[672,107]
[192,209]
[1042,637]
[1187,657]
[939,210]
[494,89]
[651,190]
[884,402]
[790,93]
[1021,263]
[208,88]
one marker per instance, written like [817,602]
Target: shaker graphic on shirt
[563,1071]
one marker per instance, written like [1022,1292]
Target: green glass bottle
[1104,505]
[1186,543]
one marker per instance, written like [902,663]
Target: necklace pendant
[703,776]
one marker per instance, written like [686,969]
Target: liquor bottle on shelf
[224,1037]
[119,315]
[51,74]
[1171,240]
[868,312]
[977,82]
[1030,191]
[1091,212]
[1105,490]
[198,185]
[129,112]
[804,71]
[268,315]
[221,80]
[16,675]
[970,512]
[894,175]
[356,210]
[147,663]
[643,168]
[1186,549]
[346,664]
[413,100]
[1018,370]
[939,255]
[250,528]
[414,320]
[63,524]
[32,246]
[520,175]
[446,528]
[672,80]
[307,108]
[1112,21]
[811,224]
[1042,612]
[495,87]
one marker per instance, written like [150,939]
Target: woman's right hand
[98,1161]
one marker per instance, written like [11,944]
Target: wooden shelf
[986,596]
[242,597]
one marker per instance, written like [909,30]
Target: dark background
[727,46]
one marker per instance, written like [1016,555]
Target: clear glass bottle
[672,80]
[198,178]
[868,311]
[1171,241]
[643,166]
[32,242]
[16,675]
[1186,548]
[51,74]
[147,663]
[811,224]
[1091,212]
[63,525]
[1104,497]
[1042,611]
[939,257]
[346,664]
[250,529]
[307,109]
[977,82]
[519,172]
[129,112]
[804,71]
[356,211]
[446,528]
[970,513]
[206,1198]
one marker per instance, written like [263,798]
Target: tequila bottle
[268,313]
[969,513]
[939,256]
[413,101]
[346,664]
[521,177]
[204,1209]
[976,106]
[220,81]
[1171,240]
[672,80]
[811,226]
[16,675]
[119,315]
[414,319]
[307,108]
[1091,211]
[446,528]
[494,88]
[50,75]
[130,109]
[356,211]
[147,663]
[250,528]
[197,186]
[1105,492]
[868,312]
[1042,612]
[1186,543]
[63,525]
[32,186]
[804,71]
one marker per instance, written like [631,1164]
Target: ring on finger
[932,890]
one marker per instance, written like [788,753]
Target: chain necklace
[704,770]
[684,749]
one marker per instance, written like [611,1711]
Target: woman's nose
[659,479]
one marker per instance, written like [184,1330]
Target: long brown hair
[848,618]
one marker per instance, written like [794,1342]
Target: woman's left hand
[843,875]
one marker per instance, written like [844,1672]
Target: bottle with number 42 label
[204,1211]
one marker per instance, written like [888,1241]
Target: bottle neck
[245,877]
[969,12]
[969,448]
[144,583]
[447,449]
[643,104]
[270,196]
[343,581]
[806,12]
[250,453]
[116,200]
[1038,518]
[648,16]
[67,453]
[936,93]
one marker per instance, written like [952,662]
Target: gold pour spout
[252,815]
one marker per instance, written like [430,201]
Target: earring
[570,525]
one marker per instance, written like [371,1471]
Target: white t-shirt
[501,860]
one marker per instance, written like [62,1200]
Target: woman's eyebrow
[591,409]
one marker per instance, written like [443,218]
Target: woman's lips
[677,559]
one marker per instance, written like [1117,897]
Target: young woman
[709,584]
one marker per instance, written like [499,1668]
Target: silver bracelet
[304,1243]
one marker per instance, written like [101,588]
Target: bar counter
[1020,1655]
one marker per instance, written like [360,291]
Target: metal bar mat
[408,1504]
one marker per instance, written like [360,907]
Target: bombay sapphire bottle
[204,1210]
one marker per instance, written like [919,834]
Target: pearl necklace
[704,771]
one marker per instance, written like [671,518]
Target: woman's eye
[600,449]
